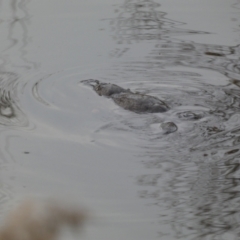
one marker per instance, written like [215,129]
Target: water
[59,138]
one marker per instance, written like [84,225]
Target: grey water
[59,138]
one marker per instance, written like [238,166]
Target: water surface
[59,138]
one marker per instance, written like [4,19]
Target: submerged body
[139,103]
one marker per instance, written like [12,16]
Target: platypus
[125,98]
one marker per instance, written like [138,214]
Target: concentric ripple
[10,111]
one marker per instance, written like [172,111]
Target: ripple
[193,93]
[185,167]
[194,171]
[223,59]
[10,112]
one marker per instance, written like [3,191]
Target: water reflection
[217,209]
[10,112]
[196,186]
[14,22]
[18,19]
[223,59]
[15,19]
[197,192]
[142,20]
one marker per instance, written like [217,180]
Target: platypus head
[90,82]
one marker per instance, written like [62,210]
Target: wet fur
[125,98]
